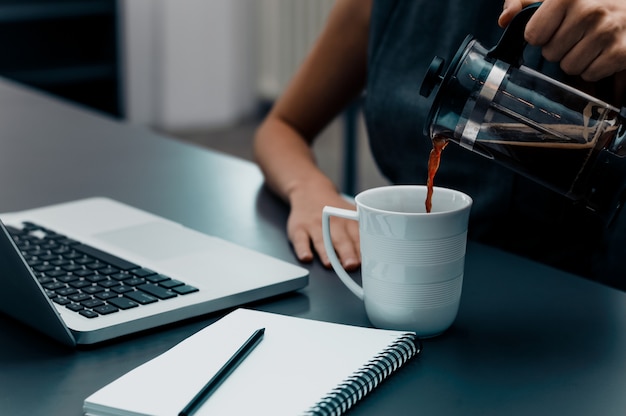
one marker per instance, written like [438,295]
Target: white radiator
[287,30]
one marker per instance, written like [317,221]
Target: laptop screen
[23,298]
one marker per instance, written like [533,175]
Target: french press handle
[510,48]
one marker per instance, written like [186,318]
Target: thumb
[509,10]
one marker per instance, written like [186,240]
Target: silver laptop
[92,270]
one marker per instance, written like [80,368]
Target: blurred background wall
[68,48]
[171,64]
[204,71]
[201,63]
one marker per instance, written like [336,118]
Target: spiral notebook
[302,366]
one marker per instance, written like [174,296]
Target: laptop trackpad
[156,240]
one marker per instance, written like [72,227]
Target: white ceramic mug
[412,262]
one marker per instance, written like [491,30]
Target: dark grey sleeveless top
[509,211]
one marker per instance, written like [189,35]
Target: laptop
[96,269]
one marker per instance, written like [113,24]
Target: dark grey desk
[528,340]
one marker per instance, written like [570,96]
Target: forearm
[332,75]
[287,160]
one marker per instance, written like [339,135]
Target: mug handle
[327,212]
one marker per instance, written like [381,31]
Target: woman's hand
[304,227]
[587,37]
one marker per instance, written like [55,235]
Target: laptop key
[140,297]
[92,290]
[122,303]
[61,250]
[66,291]
[185,289]
[83,272]
[170,283]
[157,291]
[122,289]
[96,265]
[67,241]
[56,273]
[61,300]
[30,226]
[105,257]
[156,278]
[105,309]
[106,295]
[33,261]
[92,303]
[121,276]
[54,285]
[108,270]
[67,278]
[77,284]
[83,260]
[14,231]
[109,283]
[79,297]
[72,267]
[45,279]
[135,281]
[72,255]
[88,313]
[43,268]
[143,272]
[95,278]
[74,307]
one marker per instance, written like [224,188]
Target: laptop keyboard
[89,281]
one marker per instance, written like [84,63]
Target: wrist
[318,186]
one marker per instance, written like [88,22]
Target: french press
[490,103]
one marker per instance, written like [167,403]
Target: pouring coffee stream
[488,102]
[439,143]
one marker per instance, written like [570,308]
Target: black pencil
[223,373]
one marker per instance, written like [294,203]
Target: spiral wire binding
[364,380]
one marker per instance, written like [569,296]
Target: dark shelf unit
[68,48]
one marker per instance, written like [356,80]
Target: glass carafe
[490,103]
